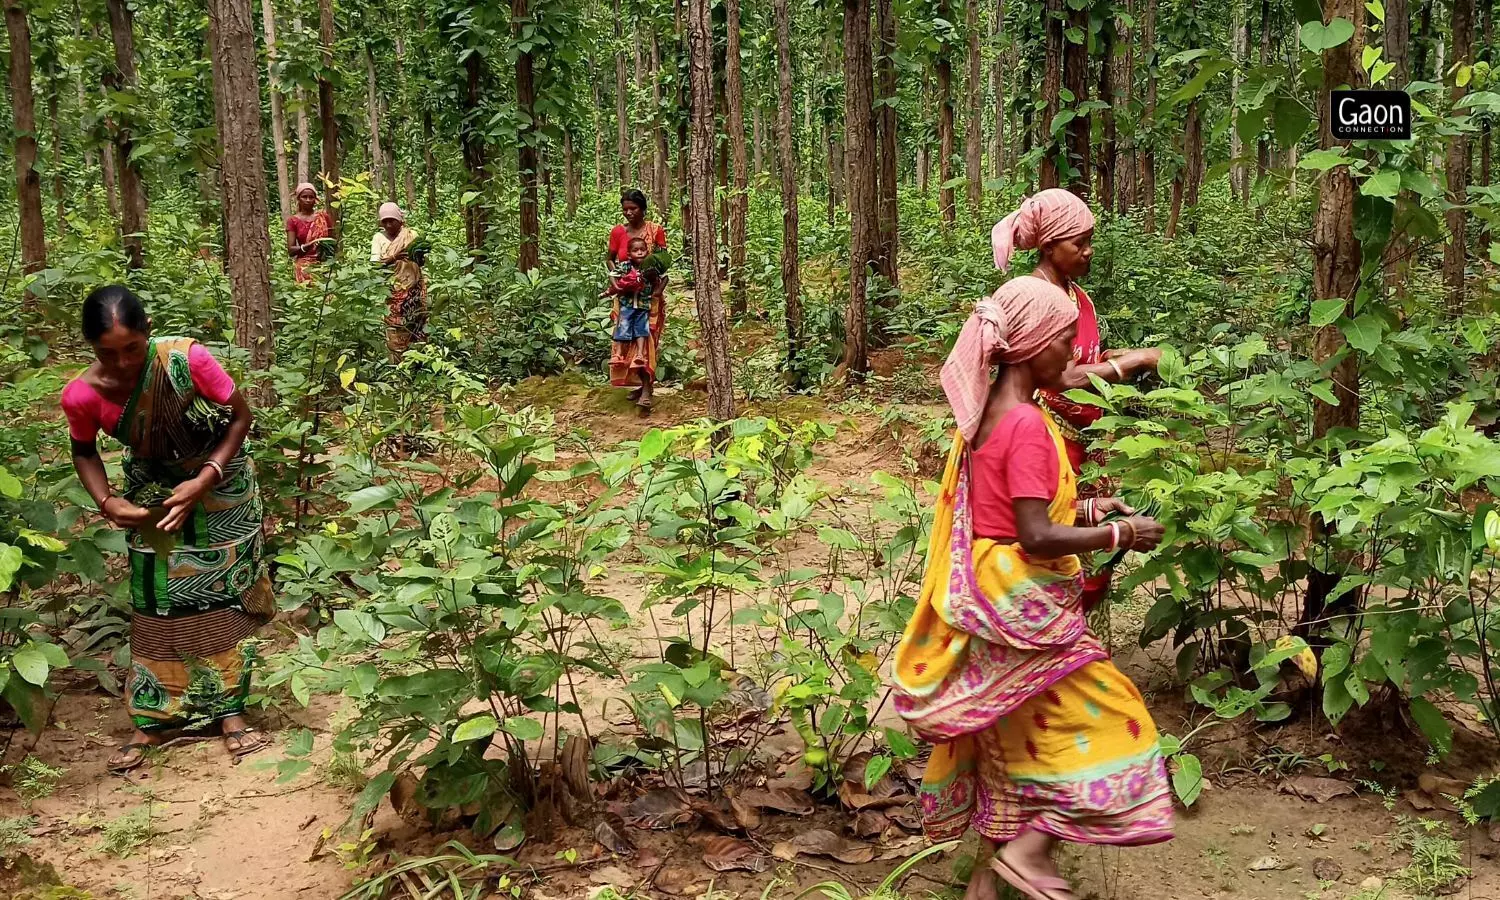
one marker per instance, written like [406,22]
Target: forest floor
[205,828]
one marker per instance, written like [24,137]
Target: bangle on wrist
[105,503]
[1114,536]
[1131,525]
[1119,372]
[212,464]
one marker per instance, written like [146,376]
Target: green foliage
[1436,858]
[126,833]
[33,780]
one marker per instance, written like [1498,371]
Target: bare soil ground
[218,831]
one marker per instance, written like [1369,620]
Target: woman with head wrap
[308,233]
[1038,736]
[394,245]
[1060,227]
[622,372]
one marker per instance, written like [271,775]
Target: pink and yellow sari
[1034,726]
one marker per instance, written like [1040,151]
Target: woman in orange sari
[307,233]
[1039,738]
[621,372]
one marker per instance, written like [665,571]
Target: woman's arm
[90,469]
[292,246]
[188,493]
[1130,362]
[1045,539]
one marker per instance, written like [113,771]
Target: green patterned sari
[198,595]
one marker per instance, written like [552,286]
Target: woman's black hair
[112,305]
[634,195]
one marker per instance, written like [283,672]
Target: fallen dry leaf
[674,881]
[1421,802]
[908,817]
[717,814]
[613,876]
[869,823]
[611,835]
[727,854]
[797,777]
[899,845]
[1437,785]
[822,842]
[747,815]
[659,810]
[796,803]
[1317,788]
[1325,869]
[1270,864]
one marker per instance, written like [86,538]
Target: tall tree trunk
[1239,176]
[713,326]
[59,195]
[528,253]
[739,198]
[947,140]
[622,96]
[1027,114]
[1146,130]
[1397,34]
[1048,175]
[132,187]
[107,172]
[1423,43]
[757,141]
[372,110]
[1263,146]
[409,184]
[859,128]
[574,184]
[786,149]
[1124,84]
[924,142]
[475,153]
[328,123]
[1455,250]
[242,176]
[1109,151]
[1487,29]
[598,130]
[23,113]
[660,158]
[684,115]
[974,128]
[886,124]
[998,68]
[1337,258]
[1192,142]
[429,164]
[304,131]
[278,112]
[1076,80]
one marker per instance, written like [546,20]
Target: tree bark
[859,127]
[528,253]
[278,112]
[947,143]
[1455,250]
[662,180]
[475,154]
[739,197]
[1419,69]
[429,164]
[1263,146]
[684,115]
[622,95]
[1124,84]
[757,141]
[1109,151]
[598,96]
[713,325]
[1146,130]
[328,123]
[1048,175]
[886,124]
[1192,142]
[59,195]
[242,176]
[132,187]
[998,162]
[23,113]
[1486,148]
[974,128]
[372,110]
[786,149]
[573,188]
[1239,176]
[1397,34]
[1076,80]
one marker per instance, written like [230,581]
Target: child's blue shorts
[633,324]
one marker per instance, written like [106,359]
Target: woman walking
[621,371]
[1039,737]
[197,585]
[406,307]
[308,233]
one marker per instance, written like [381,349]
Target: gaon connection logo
[1371,115]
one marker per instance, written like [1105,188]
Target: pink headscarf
[305,186]
[1016,323]
[389,210]
[1052,215]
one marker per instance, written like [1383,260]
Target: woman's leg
[133,752]
[983,884]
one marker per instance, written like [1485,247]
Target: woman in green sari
[198,587]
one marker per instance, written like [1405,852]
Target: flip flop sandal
[1037,888]
[243,737]
[122,768]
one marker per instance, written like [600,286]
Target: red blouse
[619,240]
[1017,461]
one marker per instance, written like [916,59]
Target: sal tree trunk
[998,68]
[1076,80]
[739,198]
[713,324]
[328,123]
[1455,250]
[23,111]
[372,111]
[622,97]
[886,125]
[242,177]
[786,151]
[1146,130]
[476,162]
[943,64]
[974,128]
[859,118]
[278,112]
[123,77]
[1109,154]
[528,255]
[1048,175]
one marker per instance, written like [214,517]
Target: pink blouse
[89,412]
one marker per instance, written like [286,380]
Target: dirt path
[205,828]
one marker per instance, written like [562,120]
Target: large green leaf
[31,664]
[376,495]
[10,486]
[1326,312]
[482,725]
[1385,183]
[1290,121]
[523,728]
[10,564]
[1187,778]
[1430,719]
[1364,333]
[1318,37]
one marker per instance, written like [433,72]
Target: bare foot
[1030,856]
[133,752]
[983,884]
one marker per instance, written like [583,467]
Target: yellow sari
[1034,727]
